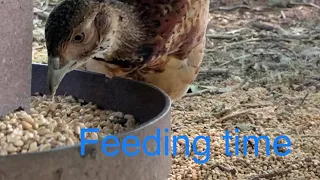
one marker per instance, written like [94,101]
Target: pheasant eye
[78,38]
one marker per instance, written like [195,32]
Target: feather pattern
[156,41]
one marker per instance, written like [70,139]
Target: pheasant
[160,42]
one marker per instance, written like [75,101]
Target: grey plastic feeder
[149,104]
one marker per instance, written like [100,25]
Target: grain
[26,125]
[301,125]
[57,123]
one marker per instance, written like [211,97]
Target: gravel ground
[260,75]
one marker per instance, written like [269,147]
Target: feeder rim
[161,115]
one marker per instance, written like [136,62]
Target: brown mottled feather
[177,40]
[182,25]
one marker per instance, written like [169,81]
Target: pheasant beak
[56,74]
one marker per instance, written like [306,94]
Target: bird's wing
[178,47]
[176,27]
[179,26]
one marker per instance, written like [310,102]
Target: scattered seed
[70,142]
[18,143]
[26,125]
[11,148]
[3,152]
[94,136]
[77,129]
[45,147]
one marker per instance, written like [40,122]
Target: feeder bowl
[148,104]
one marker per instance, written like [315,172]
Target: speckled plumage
[157,41]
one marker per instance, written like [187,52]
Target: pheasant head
[77,30]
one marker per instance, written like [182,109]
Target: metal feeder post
[15,54]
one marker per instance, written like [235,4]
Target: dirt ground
[261,75]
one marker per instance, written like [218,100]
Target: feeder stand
[15,54]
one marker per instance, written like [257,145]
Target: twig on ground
[239,42]
[304,3]
[231,8]
[282,32]
[310,135]
[304,99]
[270,175]
[289,49]
[263,8]
[256,105]
[235,59]
[224,36]
[237,30]
[236,114]
[217,90]
[41,14]
[224,72]
[286,36]
[283,15]
[224,168]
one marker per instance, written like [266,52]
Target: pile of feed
[255,112]
[57,122]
